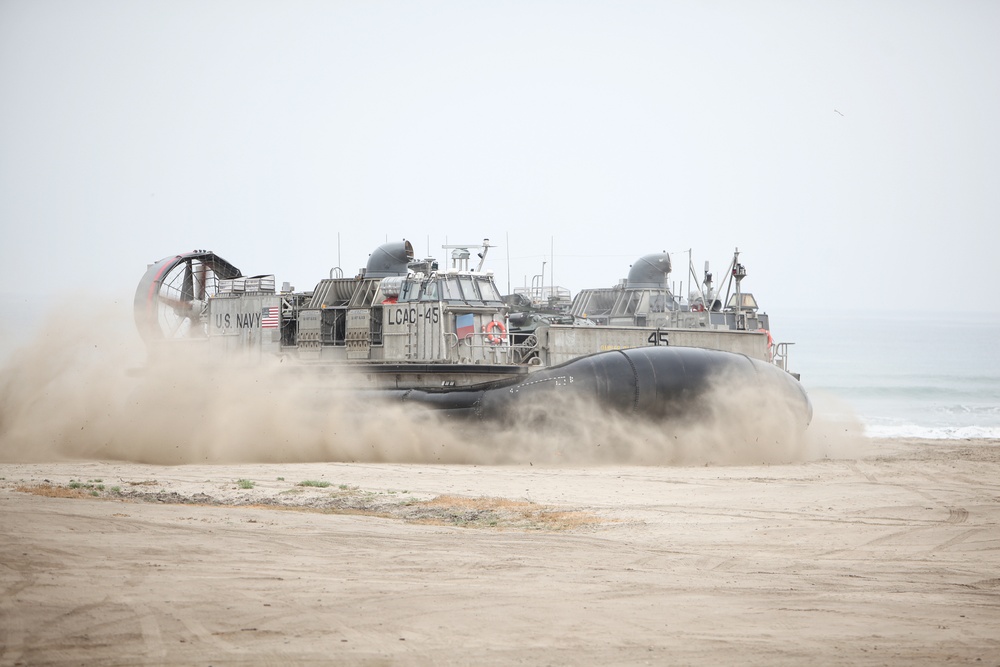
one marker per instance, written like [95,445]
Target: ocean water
[903,375]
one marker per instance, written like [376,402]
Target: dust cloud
[93,392]
[730,424]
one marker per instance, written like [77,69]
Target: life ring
[770,345]
[493,326]
[697,307]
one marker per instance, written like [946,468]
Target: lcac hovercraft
[405,329]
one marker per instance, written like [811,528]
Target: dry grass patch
[446,510]
[50,491]
[498,513]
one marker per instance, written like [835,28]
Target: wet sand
[889,558]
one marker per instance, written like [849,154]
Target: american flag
[269,317]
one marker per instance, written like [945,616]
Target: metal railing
[480,347]
[779,355]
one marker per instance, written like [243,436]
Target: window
[429,291]
[468,287]
[450,290]
[488,290]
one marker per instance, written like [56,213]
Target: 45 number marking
[658,338]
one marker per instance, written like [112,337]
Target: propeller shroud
[172,297]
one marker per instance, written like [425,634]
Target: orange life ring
[770,344]
[495,338]
[697,307]
[770,340]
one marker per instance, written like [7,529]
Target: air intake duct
[389,259]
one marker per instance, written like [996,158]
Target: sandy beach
[892,557]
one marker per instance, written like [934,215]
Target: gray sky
[850,149]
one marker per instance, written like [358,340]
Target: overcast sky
[850,149]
